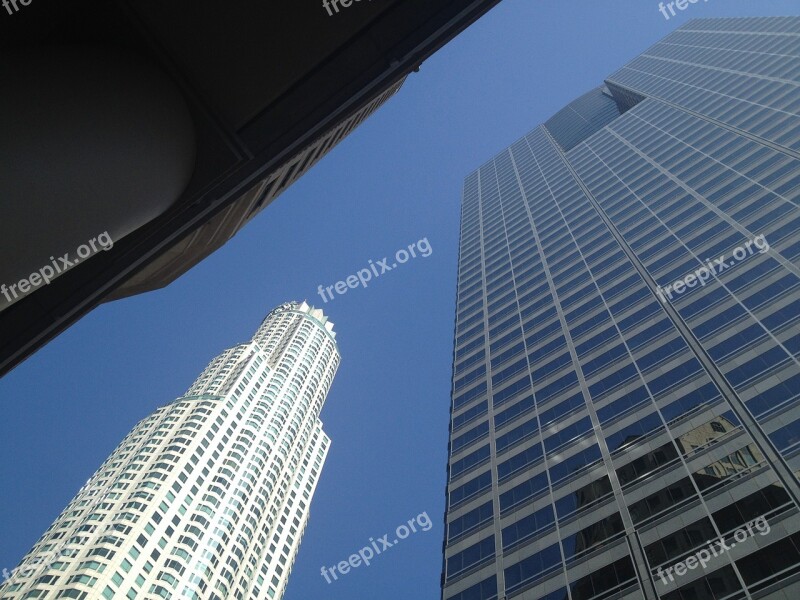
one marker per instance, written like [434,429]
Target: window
[470,557]
[484,590]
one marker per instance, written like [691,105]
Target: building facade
[625,417]
[209,496]
[222,227]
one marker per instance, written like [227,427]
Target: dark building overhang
[263,81]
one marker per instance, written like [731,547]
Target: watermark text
[713,267]
[671,6]
[333,5]
[376,269]
[715,548]
[368,553]
[47,273]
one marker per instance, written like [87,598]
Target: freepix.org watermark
[364,276]
[367,553]
[713,267]
[8,4]
[333,5]
[703,556]
[671,6]
[47,273]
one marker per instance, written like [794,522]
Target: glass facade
[626,377]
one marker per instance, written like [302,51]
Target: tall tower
[209,496]
[625,417]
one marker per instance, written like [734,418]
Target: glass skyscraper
[625,418]
[209,496]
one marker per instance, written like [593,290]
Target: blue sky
[394,181]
